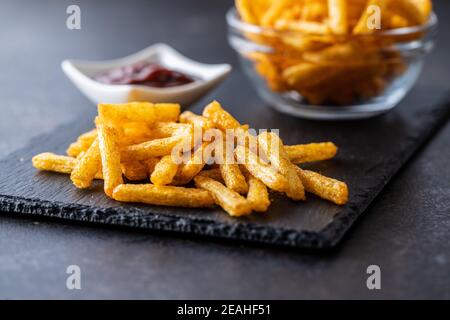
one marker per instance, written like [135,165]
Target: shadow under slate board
[371,152]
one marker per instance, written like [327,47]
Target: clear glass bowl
[331,77]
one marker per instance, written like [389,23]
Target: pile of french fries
[330,51]
[135,146]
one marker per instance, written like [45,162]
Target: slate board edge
[329,237]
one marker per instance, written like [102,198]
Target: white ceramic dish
[207,77]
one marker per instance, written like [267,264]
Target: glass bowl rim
[237,23]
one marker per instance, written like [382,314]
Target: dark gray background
[405,231]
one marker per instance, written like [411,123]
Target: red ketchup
[144,73]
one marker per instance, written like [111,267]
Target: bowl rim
[234,21]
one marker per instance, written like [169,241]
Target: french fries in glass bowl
[332,59]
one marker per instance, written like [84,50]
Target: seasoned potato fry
[324,187]
[337,16]
[196,120]
[152,148]
[222,119]
[82,144]
[164,172]
[163,195]
[268,175]
[87,167]
[257,195]
[51,162]
[134,170]
[233,177]
[167,129]
[108,142]
[273,147]
[150,165]
[232,202]
[187,171]
[311,152]
[213,174]
[139,112]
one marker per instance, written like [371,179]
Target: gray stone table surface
[406,231]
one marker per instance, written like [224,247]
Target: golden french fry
[150,165]
[62,164]
[213,174]
[164,172]
[273,147]
[108,142]
[87,167]
[232,202]
[258,195]
[324,187]
[311,152]
[337,16]
[196,120]
[309,27]
[82,144]
[187,171]
[163,195]
[222,119]
[274,12]
[167,129]
[233,177]
[134,170]
[51,162]
[410,10]
[268,175]
[139,112]
[153,148]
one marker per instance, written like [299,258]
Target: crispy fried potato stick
[51,162]
[152,148]
[324,187]
[82,144]
[213,174]
[187,171]
[139,112]
[232,202]
[150,165]
[258,195]
[164,172]
[309,27]
[273,147]
[268,175]
[167,129]
[134,170]
[233,177]
[222,119]
[163,195]
[196,120]
[408,9]
[337,16]
[108,140]
[274,12]
[62,164]
[87,167]
[311,152]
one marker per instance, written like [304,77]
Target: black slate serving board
[371,152]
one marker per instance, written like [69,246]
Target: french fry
[167,129]
[213,174]
[274,12]
[82,144]
[139,112]
[337,16]
[164,172]
[324,187]
[311,152]
[55,163]
[163,195]
[273,147]
[152,148]
[150,165]
[196,120]
[134,170]
[233,178]
[257,195]
[232,202]
[268,175]
[187,171]
[222,119]
[110,155]
[87,167]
